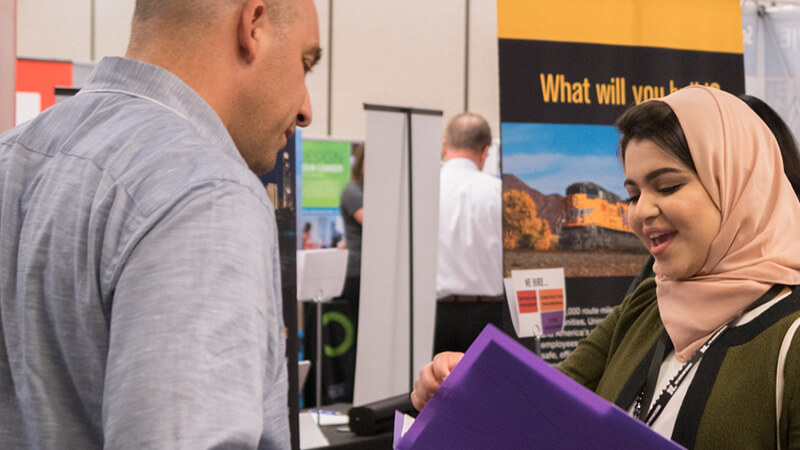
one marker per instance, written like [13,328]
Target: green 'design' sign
[326,170]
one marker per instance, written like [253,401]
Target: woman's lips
[660,240]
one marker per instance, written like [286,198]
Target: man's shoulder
[462,170]
[352,188]
[474,182]
[491,180]
[641,304]
[489,185]
[161,171]
[149,151]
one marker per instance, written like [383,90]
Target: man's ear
[484,155]
[253,23]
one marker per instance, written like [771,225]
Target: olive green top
[731,399]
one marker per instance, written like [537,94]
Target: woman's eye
[670,189]
[633,198]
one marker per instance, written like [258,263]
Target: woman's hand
[431,377]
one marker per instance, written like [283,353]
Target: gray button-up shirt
[139,276]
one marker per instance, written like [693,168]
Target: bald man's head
[168,16]
[468,131]
[247,59]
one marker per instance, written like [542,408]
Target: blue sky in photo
[550,157]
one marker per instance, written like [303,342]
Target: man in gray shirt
[139,279]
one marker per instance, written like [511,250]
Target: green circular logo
[349,333]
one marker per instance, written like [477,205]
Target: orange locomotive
[593,218]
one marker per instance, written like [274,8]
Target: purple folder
[503,396]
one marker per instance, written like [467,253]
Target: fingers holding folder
[431,377]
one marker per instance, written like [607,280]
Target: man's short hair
[468,131]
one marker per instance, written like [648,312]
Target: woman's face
[670,210]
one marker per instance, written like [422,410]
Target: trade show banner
[566,74]
[398,250]
[772,57]
[323,170]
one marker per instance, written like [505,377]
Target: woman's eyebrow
[653,175]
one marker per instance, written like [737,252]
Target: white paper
[320,273]
[328,417]
[511,298]
[401,431]
[303,368]
[407,422]
[310,434]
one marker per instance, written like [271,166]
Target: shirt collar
[461,163]
[162,87]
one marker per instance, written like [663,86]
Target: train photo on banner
[593,218]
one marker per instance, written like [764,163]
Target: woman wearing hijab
[695,352]
[790,155]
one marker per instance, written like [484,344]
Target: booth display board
[771,32]
[398,263]
[566,74]
[323,170]
[280,187]
[8,59]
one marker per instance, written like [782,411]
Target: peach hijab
[739,163]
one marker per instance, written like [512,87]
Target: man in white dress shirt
[469,281]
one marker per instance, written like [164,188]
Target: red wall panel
[43,77]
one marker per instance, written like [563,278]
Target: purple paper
[398,427]
[503,396]
[552,321]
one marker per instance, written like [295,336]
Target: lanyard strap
[663,346]
[672,386]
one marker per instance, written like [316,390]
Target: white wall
[7,63]
[317,80]
[484,78]
[62,29]
[397,52]
[54,29]
[112,25]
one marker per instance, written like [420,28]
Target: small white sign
[537,300]
[320,273]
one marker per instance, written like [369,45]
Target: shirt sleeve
[196,352]
[352,199]
[790,414]
[588,361]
